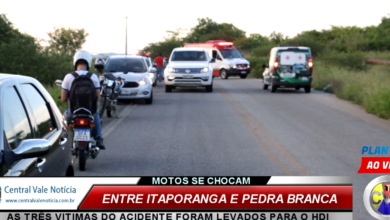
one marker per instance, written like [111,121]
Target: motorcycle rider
[99,66]
[82,61]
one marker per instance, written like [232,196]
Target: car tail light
[276,64]
[82,122]
[310,65]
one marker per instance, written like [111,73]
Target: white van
[228,61]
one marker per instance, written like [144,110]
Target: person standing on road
[82,61]
[159,62]
[165,63]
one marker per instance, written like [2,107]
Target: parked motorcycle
[110,89]
[82,123]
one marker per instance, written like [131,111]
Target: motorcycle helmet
[99,65]
[82,56]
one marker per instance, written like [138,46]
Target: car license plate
[304,79]
[124,91]
[242,72]
[187,77]
[82,135]
[288,75]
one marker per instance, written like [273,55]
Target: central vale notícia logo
[376,197]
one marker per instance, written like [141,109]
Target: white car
[135,72]
[189,67]
[152,70]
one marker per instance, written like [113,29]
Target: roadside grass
[55,92]
[256,64]
[368,88]
[378,55]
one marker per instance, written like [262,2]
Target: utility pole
[126,37]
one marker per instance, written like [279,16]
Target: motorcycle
[110,89]
[82,123]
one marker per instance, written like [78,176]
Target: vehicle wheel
[273,88]
[265,86]
[297,88]
[149,101]
[103,103]
[154,84]
[209,88]
[82,159]
[243,76]
[109,113]
[223,74]
[308,89]
[168,88]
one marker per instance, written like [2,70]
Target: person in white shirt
[82,61]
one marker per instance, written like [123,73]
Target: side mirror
[154,65]
[153,70]
[58,82]
[212,60]
[265,66]
[31,148]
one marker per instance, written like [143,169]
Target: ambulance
[228,61]
[290,66]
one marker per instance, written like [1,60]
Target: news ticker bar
[209,193]
[178,216]
[218,198]
[252,180]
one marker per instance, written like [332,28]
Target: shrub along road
[240,129]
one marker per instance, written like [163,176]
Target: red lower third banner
[218,198]
[375,165]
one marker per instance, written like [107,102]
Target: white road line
[124,113]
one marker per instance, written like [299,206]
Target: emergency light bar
[145,55]
[225,43]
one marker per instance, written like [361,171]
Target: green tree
[7,31]
[251,42]
[66,41]
[207,29]
[19,53]
[277,37]
[23,54]
[163,47]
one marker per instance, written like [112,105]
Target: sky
[148,20]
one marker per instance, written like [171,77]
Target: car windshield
[306,52]
[189,56]
[125,65]
[230,54]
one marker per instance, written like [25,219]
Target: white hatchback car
[135,72]
[152,70]
[189,67]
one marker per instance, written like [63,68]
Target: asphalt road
[242,130]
